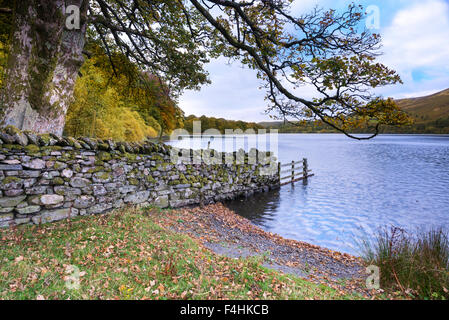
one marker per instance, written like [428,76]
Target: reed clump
[416,264]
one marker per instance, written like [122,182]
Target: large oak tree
[172,39]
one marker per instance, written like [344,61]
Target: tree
[323,49]
[172,39]
[104,106]
[136,90]
[43,62]
[45,55]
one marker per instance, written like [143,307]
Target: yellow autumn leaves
[100,110]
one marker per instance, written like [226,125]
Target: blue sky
[415,37]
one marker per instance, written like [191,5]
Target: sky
[415,38]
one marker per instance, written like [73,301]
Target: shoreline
[225,233]
[135,254]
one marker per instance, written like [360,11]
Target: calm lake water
[358,187]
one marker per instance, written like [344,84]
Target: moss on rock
[104,156]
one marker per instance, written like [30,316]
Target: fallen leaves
[127,255]
[217,224]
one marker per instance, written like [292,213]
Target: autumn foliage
[118,101]
[129,255]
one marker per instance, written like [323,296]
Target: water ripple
[400,180]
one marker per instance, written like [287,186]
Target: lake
[358,187]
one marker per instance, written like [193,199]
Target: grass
[128,255]
[416,264]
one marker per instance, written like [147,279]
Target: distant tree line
[439,126]
[219,124]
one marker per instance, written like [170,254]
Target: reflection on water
[400,180]
[258,208]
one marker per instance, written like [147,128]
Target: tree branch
[5,10]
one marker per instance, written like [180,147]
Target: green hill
[428,108]
[431,115]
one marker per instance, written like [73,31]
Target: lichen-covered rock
[36,164]
[102,177]
[32,138]
[11,161]
[10,167]
[78,182]
[6,138]
[28,210]
[137,197]
[67,191]
[6,217]
[74,143]
[36,190]
[13,192]
[99,208]
[57,181]
[51,199]
[47,140]
[6,210]
[11,183]
[11,202]
[45,178]
[84,202]
[161,202]
[180,203]
[59,165]
[20,138]
[104,156]
[52,215]
[67,173]
[29,174]
[127,189]
[99,190]
[21,220]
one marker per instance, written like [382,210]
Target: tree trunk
[43,65]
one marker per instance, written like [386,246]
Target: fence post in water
[305,168]
[293,171]
[279,171]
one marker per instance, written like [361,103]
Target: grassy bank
[129,255]
[417,264]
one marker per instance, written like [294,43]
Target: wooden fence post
[293,171]
[305,168]
[279,171]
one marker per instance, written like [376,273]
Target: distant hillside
[431,115]
[428,108]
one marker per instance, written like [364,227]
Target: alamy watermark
[235,147]
[72,280]
[373,280]
[73,19]
[72,22]
[372,17]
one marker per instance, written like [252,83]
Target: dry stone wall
[44,178]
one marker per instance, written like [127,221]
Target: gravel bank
[226,233]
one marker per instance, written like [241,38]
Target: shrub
[417,264]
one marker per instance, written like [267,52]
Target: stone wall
[44,178]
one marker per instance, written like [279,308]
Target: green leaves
[327,50]
[166,38]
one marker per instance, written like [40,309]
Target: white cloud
[233,94]
[418,36]
[418,40]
